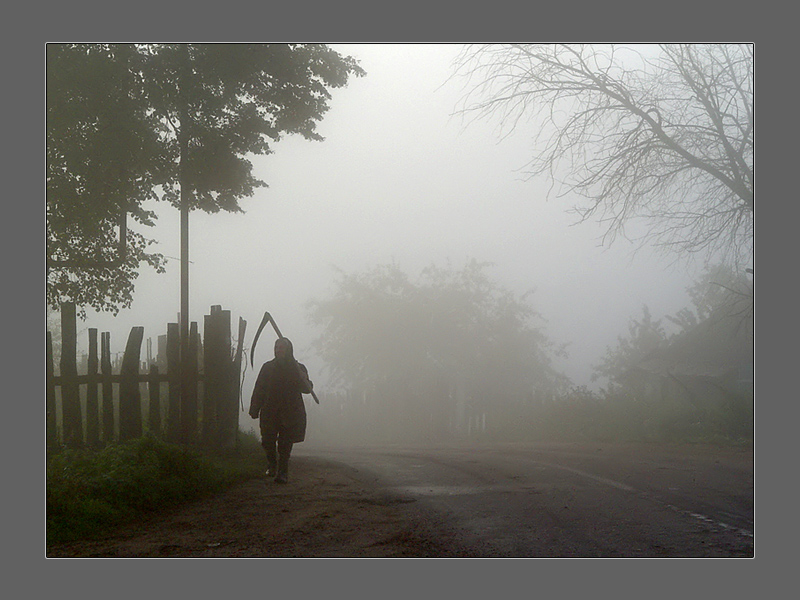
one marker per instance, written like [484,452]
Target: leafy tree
[128,123]
[103,160]
[663,134]
[720,289]
[416,348]
[644,336]
[720,292]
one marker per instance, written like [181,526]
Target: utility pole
[183,141]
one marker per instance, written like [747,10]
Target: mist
[399,180]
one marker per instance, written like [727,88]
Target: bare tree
[657,134]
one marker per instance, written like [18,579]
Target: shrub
[89,491]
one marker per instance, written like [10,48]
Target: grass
[90,492]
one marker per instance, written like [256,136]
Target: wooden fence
[105,405]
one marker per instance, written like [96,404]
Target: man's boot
[272,462]
[284,450]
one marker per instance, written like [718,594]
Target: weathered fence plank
[130,398]
[189,400]
[50,399]
[161,356]
[154,405]
[114,408]
[211,370]
[92,412]
[70,394]
[173,432]
[236,376]
[227,401]
[108,390]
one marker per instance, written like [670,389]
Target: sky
[400,179]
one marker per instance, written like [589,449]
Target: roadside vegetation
[586,416]
[579,415]
[89,492]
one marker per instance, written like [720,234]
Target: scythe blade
[267,318]
[275,326]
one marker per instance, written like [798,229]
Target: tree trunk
[185,191]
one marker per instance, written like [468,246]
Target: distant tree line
[436,355]
[452,354]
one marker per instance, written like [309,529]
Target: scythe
[268,319]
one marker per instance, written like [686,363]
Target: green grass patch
[90,492]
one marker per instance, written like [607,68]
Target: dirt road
[325,511]
[533,500]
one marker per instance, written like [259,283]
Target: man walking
[278,402]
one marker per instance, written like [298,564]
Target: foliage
[89,491]
[644,335]
[582,415]
[620,417]
[574,415]
[415,349]
[128,123]
[720,290]
[663,134]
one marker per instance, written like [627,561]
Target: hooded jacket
[277,398]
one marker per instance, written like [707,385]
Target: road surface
[466,501]
[576,500]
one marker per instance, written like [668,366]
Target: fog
[401,180]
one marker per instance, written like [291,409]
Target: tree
[127,123]
[644,336]
[663,134]
[103,161]
[416,349]
[719,293]
[720,290]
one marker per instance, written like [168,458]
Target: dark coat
[278,400]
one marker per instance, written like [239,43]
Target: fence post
[130,398]
[50,397]
[70,395]
[154,406]
[236,377]
[108,390]
[228,399]
[189,400]
[211,347]
[174,394]
[161,357]
[92,413]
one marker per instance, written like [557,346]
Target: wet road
[573,500]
